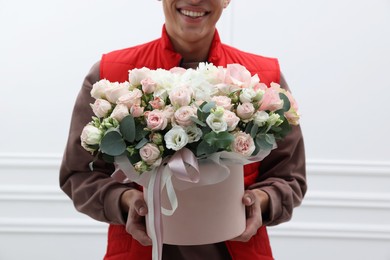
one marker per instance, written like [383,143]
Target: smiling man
[273,187]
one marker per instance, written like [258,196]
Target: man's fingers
[140,207]
[138,232]
[249,198]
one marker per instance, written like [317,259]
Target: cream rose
[243,144]
[223,101]
[181,96]
[90,136]
[99,89]
[115,91]
[149,153]
[131,98]
[101,107]
[245,111]
[119,112]
[148,85]
[231,120]
[137,75]
[260,118]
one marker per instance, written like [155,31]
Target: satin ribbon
[183,165]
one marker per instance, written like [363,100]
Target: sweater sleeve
[94,193]
[283,175]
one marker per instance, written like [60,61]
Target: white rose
[247,95]
[194,133]
[99,89]
[217,124]
[245,111]
[115,91]
[119,112]
[223,101]
[131,98]
[180,96]
[136,75]
[176,138]
[90,136]
[101,107]
[260,118]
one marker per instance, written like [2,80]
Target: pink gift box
[206,213]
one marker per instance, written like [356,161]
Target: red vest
[159,53]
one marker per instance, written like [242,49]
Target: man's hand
[133,203]
[256,202]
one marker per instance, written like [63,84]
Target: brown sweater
[96,194]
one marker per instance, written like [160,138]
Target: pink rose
[148,85]
[183,115]
[271,100]
[238,75]
[157,103]
[292,115]
[223,101]
[181,96]
[231,120]
[245,111]
[169,112]
[156,120]
[136,111]
[131,98]
[119,112]
[243,144]
[149,153]
[115,91]
[101,107]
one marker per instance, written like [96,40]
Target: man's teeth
[192,13]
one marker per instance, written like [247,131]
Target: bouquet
[173,119]
[207,110]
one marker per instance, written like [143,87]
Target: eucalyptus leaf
[140,132]
[254,130]
[262,143]
[207,108]
[197,121]
[141,143]
[248,127]
[113,144]
[127,128]
[286,102]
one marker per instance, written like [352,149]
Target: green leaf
[207,108]
[205,149]
[197,121]
[248,127]
[127,128]
[254,130]
[262,143]
[211,138]
[140,132]
[219,140]
[286,102]
[270,138]
[113,144]
[141,143]
[108,158]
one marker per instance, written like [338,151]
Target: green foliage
[127,128]
[113,144]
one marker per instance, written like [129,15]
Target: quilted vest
[159,53]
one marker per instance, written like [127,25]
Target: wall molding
[51,226]
[314,166]
[332,231]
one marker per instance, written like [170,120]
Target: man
[273,187]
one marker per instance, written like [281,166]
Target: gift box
[207,212]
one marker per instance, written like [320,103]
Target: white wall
[334,54]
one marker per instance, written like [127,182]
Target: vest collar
[174,58]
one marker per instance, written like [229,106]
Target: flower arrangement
[207,110]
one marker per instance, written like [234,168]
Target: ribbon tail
[154,215]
